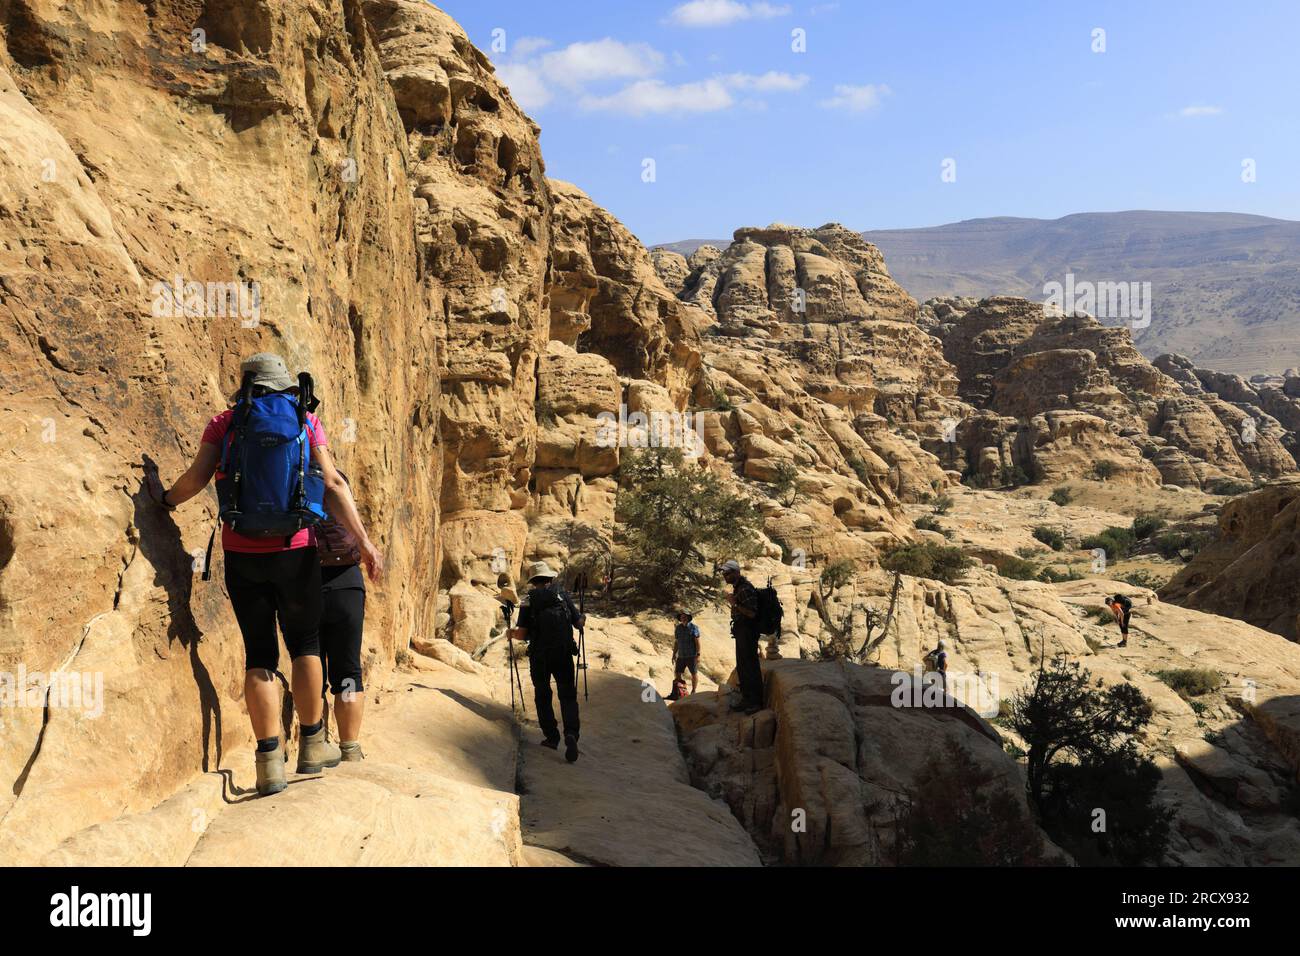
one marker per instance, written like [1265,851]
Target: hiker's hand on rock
[154,486]
[374,562]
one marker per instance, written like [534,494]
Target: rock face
[1124,415]
[267,169]
[1250,570]
[822,775]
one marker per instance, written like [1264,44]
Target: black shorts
[1124,619]
[341,626]
[283,586]
[687,663]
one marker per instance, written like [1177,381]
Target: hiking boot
[351,751]
[570,748]
[270,772]
[552,742]
[315,752]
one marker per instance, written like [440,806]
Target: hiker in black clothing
[547,618]
[744,631]
[1122,608]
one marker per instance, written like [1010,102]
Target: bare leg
[347,711]
[695,681]
[307,688]
[262,697]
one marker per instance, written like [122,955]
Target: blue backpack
[271,487]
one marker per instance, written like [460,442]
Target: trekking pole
[580,585]
[507,608]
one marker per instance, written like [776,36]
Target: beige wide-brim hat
[269,371]
[540,569]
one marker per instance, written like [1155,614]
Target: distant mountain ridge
[1225,286]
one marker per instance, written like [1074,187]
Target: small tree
[675,522]
[786,486]
[1079,739]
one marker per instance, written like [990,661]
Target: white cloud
[769,82]
[721,13]
[655,96]
[607,59]
[527,46]
[533,81]
[856,99]
[525,84]
[1191,111]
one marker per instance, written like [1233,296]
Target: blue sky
[744,130]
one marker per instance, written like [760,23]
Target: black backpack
[769,610]
[550,624]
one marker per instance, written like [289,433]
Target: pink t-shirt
[214,434]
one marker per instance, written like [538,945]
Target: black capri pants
[341,627]
[280,585]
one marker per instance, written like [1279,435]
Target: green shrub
[1061,496]
[942,504]
[1053,575]
[1144,526]
[1192,681]
[1052,537]
[1018,569]
[927,560]
[426,149]
[1173,543]
[860,469]
[1228,486]
[927,523]
[1117,542]
[1103,470]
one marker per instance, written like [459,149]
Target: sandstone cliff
[263,152]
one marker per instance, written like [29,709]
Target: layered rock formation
[1069,396]
[1250,570]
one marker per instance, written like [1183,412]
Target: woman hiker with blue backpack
[275,482]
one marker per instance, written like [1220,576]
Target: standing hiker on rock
[686,649]
[547,618]
[744,631]
[342,623]
[275,478]
[937,661]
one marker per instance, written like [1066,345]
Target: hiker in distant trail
[343,619]
[686,649]
[744,631]
[1122,609]
[275,478]
[547,618]
[937,662]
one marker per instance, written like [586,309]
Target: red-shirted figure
[277,578]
